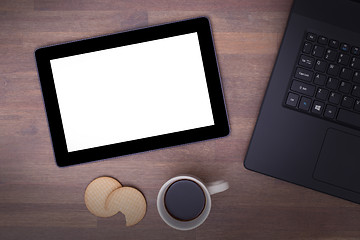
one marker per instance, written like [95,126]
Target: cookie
[130,202]
[96,194]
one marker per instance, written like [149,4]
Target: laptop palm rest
[339,160]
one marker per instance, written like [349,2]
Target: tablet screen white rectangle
[132,92]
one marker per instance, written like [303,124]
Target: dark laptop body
[304,147]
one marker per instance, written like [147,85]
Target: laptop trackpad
[339,160]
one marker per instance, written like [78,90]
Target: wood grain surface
[38,200]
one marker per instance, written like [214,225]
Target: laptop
[308,128]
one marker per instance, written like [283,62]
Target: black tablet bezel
[199,25]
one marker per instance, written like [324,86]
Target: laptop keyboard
[326,80]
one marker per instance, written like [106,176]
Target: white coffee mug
[208,189]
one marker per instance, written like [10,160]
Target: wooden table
[39,200]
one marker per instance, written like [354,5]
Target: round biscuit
[96,194]
[130,202]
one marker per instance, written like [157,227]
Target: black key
[320,66]
[357,105]
[355,51]
[330,112]
[292,99]
[332,83]
[334,44]
[307,47]
[345,87]
[322,40]
[346,73]
[356,77]
[334,98]
[304,74]
[306,61]
[347,102]
[305,103]
[322,94]
[333,69]
[311,37]
[356,91]
[330,55]
[303,88]
[318,51]
[344,47]
[319,79]
[343,59]
[318,107]
[355,63]
[348,117]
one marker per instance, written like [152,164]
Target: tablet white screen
[132,92]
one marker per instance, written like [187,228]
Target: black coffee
[184,200]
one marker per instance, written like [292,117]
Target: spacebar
[349,117]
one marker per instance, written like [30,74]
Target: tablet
[133,91]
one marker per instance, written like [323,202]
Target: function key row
[312,37]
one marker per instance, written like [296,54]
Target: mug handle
[217,187]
